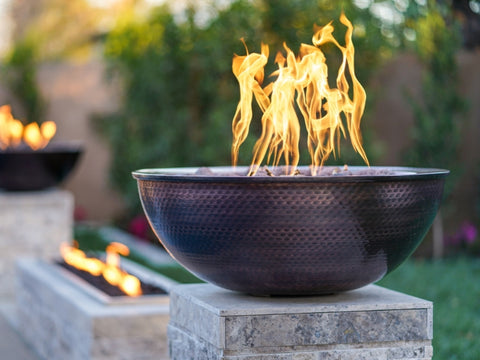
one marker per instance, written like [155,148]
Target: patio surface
[12,346]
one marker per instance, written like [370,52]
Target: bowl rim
[54,147]
[187,174]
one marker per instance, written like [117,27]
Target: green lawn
[454,287]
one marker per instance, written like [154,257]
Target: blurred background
[149,84]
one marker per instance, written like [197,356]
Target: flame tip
[302,81]
[13,132]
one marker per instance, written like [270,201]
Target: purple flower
[466,235]
[469,233]
[139,227]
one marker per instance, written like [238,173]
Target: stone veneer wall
[31,224]
[209,323]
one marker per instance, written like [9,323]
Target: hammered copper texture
[291,238]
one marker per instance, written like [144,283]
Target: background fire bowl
[296,235]
[28,170]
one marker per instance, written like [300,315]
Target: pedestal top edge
[228,303]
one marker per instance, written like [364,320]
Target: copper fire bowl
[291,235]
[28,170]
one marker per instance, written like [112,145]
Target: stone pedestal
[31,224]
[209,323]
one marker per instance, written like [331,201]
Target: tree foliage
[45,30]
[19,72]
[436,131]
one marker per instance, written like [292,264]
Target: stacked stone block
[208,323]
[31,224]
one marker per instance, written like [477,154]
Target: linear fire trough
[63,317]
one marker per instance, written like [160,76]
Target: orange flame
[12,132]
[302,82]
[110,269]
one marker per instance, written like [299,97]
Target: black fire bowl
[297,235]
[23,169]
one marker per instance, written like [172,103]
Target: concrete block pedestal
[31,224]
[209,323]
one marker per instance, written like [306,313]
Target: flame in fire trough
[301,81]
[12,131]
[110,269]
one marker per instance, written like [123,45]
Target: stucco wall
[74,93]
[393,118]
